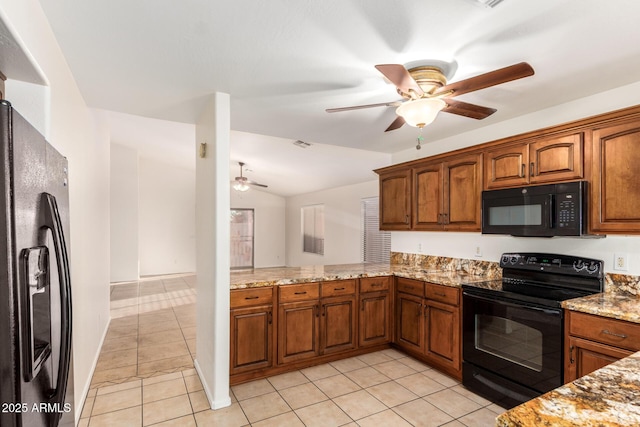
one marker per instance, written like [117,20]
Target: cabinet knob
[571,359]
[532,169]
[522,171]
[406,219]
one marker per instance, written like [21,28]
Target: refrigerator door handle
[50,218]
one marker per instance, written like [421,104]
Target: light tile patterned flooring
[145,377]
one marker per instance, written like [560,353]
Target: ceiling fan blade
[359,107]
[396,124]
[492,78]
[256,184]
[399,76]
[468,110]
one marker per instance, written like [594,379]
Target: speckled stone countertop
[605,398]
[616,306]
[289,275]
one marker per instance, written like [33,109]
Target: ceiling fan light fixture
[420,112]
[240,186]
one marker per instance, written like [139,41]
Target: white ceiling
[285,62]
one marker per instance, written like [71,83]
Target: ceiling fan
[241,183]
[425,92]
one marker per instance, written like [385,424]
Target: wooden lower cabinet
[251,330]
[428,327]
[592,342]
[298,336]
[319,322]
[443,334]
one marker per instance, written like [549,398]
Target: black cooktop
[543,279]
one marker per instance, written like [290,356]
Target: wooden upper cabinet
[506,167]
[556,159]
[553,159]
[615,185]
[462,191]
[447,194]
[427,191]
[395,200]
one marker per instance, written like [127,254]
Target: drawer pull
[300,293]
[270,318]
[251,297]
[440,294]
[608,332]
[376,284]
[338,289]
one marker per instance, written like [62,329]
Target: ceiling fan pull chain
[419,140]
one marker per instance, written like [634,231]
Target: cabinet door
[374,318]
[427,194]
[556,159]
[462,192]
[615,187]
[443,334]
[251,338]
[506,167]
[409,322]
[338,324]
[587,356]
[298,336]
[395,200]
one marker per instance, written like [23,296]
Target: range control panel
[553,263]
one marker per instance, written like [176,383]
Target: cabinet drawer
[249,297]
[374,284]
[303,292]
[614,332]
[338,287]
[410,286]
[445,294]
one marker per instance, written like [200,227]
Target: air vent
[488,3]
[301,144]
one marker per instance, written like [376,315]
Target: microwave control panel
[566,210]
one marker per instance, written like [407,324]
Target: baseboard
[87,386]
[214,404]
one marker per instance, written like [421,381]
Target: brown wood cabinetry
[447,194]
[251,329]
[428,323]
[543,160]
[593,342]
[316,319]
[374,324]
[395,191]
[615,186]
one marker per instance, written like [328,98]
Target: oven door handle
[509,303]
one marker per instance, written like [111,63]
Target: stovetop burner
[544,279]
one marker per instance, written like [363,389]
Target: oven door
[518,341]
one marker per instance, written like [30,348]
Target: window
[241,238]
[376,244]
[313,229]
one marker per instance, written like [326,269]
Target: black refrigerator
[36,388]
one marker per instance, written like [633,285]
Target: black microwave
[536,211]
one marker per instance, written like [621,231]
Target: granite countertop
[317,273]
[606,397]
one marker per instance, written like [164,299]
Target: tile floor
[145,377]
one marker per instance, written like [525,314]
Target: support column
[212,250]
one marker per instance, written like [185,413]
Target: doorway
[242,236]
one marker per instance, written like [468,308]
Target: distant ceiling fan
[241,183]
[426,92]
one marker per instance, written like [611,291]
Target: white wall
[463,245]
[269,227]
[124,214]
[342,224]
[83,137]
[166,218]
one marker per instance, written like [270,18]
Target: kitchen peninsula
[288,318]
